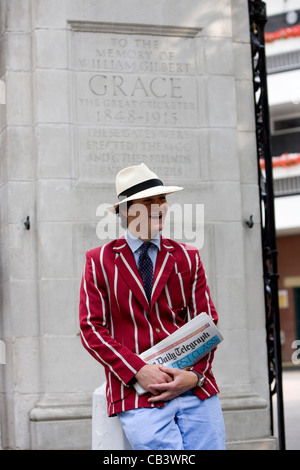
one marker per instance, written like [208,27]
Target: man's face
[146,216]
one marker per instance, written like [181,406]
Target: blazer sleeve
[200,301]
[95,336]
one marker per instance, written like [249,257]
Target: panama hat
[137,182]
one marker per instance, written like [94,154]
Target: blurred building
[283,65]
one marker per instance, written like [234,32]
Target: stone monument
[92,87]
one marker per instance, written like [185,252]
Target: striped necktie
[146,269]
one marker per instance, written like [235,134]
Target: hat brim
[155,191]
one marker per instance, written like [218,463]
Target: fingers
[161,386]
[154,392]
[165,396]
[168,378]
[167,370]
[152,374]
[182,381]
[162,392]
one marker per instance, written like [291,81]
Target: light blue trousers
[185,423]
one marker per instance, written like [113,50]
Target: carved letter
[118,82]
[140,87]
[97,85]
[153,90]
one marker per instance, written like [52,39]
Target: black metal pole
[258,18]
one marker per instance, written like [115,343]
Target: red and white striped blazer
[117,323]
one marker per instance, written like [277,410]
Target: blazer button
[157,330]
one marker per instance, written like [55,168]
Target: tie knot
[145,247]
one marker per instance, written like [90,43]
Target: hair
[125,206]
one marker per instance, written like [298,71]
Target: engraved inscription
[136,100]
[167,151]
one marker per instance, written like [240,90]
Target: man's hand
[181,381]
[152,374]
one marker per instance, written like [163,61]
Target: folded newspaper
[185,347]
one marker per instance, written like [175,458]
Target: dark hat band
[140,187]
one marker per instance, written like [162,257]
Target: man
[135,291]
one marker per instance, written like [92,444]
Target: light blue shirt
[136,243]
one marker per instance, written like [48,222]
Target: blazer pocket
[182,313]
[178,286]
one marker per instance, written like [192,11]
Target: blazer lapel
[126,264]
[163,268]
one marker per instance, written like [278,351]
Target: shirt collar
[135,243]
